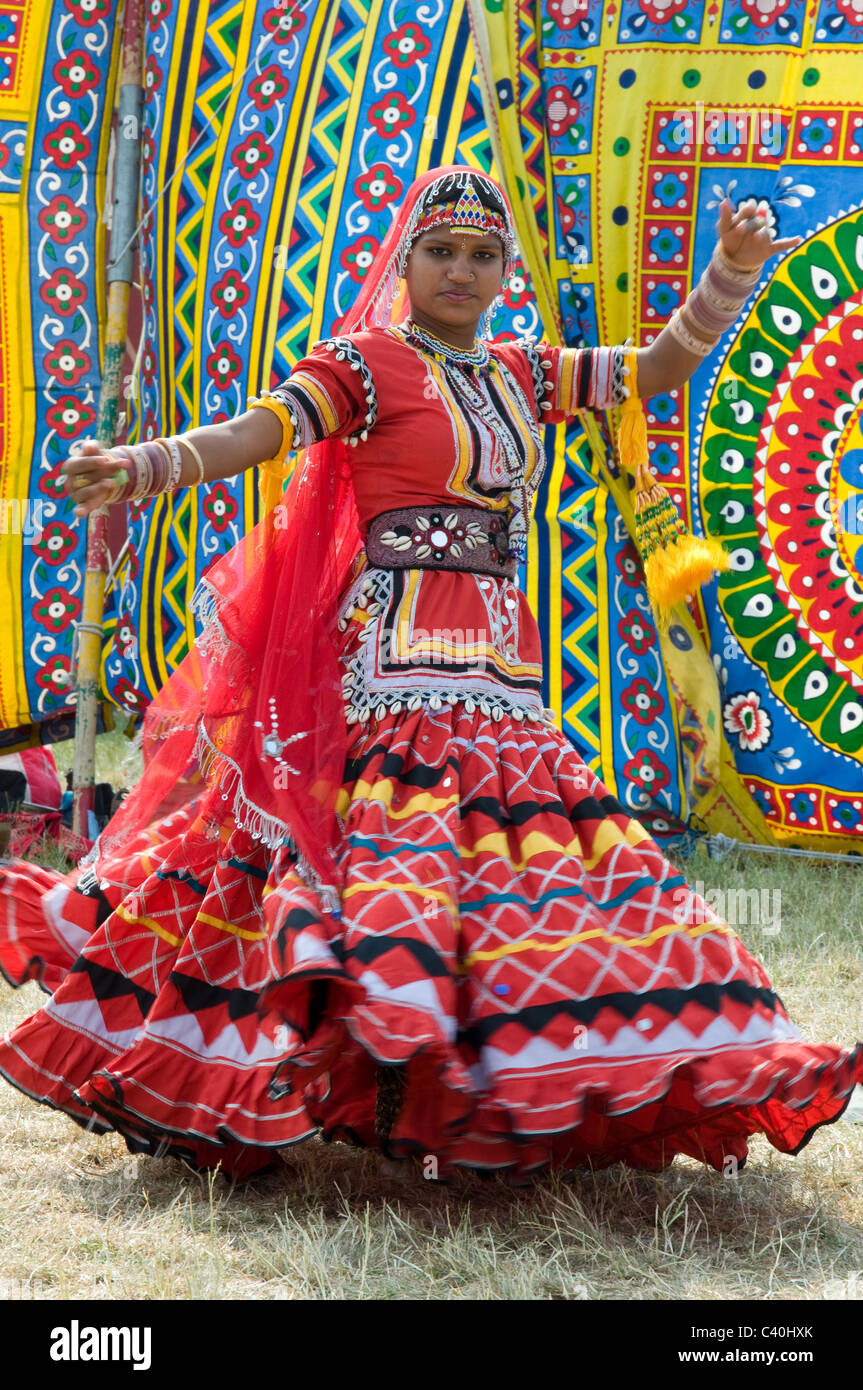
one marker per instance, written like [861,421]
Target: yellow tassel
[676,563]
[274,471]
[270,483]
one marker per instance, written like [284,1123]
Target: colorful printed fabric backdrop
[56,71]
[278,139]
[639,118]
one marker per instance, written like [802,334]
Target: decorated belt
[441,538]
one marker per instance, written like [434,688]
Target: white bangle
[746,275]
[184,439]
[145,473]
[683,336]
[176,460]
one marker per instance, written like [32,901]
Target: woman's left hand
[745,236]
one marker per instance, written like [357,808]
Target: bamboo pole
[120,272]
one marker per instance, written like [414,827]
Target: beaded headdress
[466,215]
[454,198]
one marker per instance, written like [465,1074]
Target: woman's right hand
[96,465]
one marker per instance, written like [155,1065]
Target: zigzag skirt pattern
[510,940]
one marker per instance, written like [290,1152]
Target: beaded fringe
[213,641]
[267,829]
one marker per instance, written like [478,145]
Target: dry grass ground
[81,1218]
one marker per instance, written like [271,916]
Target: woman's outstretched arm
[327,393]
[667,363]
[225,449]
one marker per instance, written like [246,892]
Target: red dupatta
[256,709]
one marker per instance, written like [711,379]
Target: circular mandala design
[804,496]
[781,482]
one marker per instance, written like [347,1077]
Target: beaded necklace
[466,357]
[458,365]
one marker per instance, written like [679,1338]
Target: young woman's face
[452,277]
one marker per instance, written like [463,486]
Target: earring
[489,314]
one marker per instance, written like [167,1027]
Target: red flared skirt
[510,940]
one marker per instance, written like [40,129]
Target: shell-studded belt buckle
[448,538]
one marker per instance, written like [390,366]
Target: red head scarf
[256,708]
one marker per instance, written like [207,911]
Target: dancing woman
[365,887]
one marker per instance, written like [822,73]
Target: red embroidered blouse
[423,438]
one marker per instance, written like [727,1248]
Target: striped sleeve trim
[350,403]
[317,417]
[569,386]
[312,407]
[588,379]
